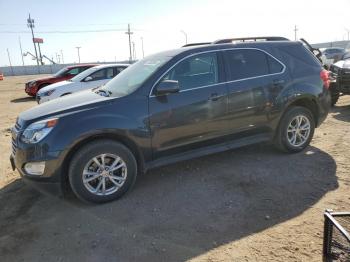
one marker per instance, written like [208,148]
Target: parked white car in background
[90,78]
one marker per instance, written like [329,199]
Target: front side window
[73,71]
[99,75]
[82,69]
[61,72]
[196,71]
[246,63]
[110,73]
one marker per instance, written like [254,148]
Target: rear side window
[246,63]
[196,71]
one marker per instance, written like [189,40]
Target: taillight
[324,74]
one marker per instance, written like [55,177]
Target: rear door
[254,78]
[195,116]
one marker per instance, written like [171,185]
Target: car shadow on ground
[173,213]
[341,113]
[23,99]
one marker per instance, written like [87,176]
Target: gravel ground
[249,204]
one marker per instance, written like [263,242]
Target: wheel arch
[128,143]
[307,102]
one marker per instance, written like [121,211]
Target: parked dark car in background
[335,53]
[33,86]
[340,72]
[169,107]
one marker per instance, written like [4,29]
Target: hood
[48,78]
[55,85]
[79,101]
[343,63]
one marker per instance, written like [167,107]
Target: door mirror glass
[167,87]
[88,78]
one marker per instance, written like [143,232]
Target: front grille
[14,146]
[17,126]
[15,137]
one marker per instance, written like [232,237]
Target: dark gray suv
[169,107]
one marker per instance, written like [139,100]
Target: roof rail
[194,44]
[260,38]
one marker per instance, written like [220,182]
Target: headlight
[48,93]
[31,83]
[36,132]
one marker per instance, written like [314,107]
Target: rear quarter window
[247,63]
[299,60]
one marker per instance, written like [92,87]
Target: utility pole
[143,52]
[182,31]
[20,47]
[62,56]
[348,31]
[129,33]
[133,50]
[31,26]
[295,32]
[78,47]
[41,58]
[8,54]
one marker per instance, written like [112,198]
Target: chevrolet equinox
[172,106]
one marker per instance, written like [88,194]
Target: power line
[65,32]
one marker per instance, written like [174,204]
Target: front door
[195,116]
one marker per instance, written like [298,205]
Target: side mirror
[167,87]
[88,78]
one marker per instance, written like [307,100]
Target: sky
[161,24]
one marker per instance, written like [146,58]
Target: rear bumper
[324,105]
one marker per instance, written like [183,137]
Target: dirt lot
[250,204]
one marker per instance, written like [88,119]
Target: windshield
[84,74]
[61,72]
[135,75]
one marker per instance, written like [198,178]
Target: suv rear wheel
[102,171]
[295,130]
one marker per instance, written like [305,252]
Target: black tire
[83,156]
[334,98]
[334,94]
[281,138]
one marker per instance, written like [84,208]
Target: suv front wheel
[102,171]
[295,130]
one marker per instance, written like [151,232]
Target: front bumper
[32,91]
[42,185]
[51,180]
